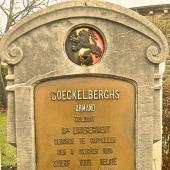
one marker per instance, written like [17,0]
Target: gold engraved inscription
[85,123]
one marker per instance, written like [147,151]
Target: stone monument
[84,88]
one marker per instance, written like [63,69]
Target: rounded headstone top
[84,8]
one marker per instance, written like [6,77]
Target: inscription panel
[85,123]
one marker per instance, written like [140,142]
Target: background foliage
[8,152]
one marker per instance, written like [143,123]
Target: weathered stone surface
[160,16]
[35,52]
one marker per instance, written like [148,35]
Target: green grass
[8,152]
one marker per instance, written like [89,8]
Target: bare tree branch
[26,10]
[24,4]
[48,1]
[35,4]
[40,4]
[11,7]
[2,3]
[4,10]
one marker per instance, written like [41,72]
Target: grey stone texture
[160,16]
[34,50]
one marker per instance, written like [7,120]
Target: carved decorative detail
[154,55]
[85,46]
[15,55]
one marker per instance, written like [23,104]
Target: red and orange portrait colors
[85,46]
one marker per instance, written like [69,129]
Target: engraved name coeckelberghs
[85,123]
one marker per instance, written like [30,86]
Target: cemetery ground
[8,152]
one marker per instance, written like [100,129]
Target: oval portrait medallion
[85,46]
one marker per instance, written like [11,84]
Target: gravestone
[84,88]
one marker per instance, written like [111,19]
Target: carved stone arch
[58,12]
